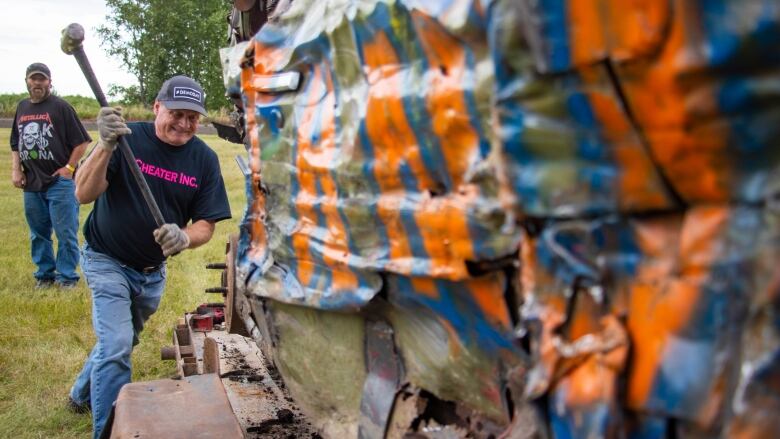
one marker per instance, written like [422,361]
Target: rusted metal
[210,356]
[233,321]
[168,353]
[382,382]
[196,406]
[182,351]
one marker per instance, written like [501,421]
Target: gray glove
[171,238]
[110,126]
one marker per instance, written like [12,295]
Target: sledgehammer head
[72,38]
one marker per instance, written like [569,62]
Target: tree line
[156,39]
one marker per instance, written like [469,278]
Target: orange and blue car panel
[585,184]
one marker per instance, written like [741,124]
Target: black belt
[150,269]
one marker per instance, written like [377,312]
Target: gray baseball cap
[38,68]
[183,93]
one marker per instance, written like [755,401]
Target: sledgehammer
[72,39]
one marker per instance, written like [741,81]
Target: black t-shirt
[185,180]
[45,135]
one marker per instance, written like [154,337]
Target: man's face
[39,87]
[175,127]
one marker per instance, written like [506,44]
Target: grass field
[46,335]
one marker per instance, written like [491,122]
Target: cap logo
[186,93]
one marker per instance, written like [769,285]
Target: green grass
[46,335]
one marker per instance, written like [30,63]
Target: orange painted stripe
[392,143]
[659,309]
[307,191]
[589,383]
[636,27]
[586,31]
[655,312]
[443,225]
[425,286]
[268,59]
[388,127]
[640,185]
[336,250]
[668,96]
[258,247]
[488,292]
[313,164]
[598,27]
[586,317]
[445,101]
[620,29]
[459,142]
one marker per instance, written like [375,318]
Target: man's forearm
[91,178]
[17,173]
[16,162]
[199,232]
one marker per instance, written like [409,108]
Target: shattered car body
[519,218]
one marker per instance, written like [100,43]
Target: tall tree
[156,39]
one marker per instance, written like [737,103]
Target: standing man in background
[47,142]
[125,251]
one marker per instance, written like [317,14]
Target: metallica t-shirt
[185,181]
[45,134]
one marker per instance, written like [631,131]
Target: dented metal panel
[564,209]
[361,181]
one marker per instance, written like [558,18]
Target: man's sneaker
[43,283]
[66,285]
[80,409]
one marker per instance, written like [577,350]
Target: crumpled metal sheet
[622,153]
[640,93]
[377,163]
[682,283]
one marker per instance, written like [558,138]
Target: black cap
[38,67]
[182,93]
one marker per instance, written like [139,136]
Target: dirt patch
[262,403]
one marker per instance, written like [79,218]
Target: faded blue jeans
[122,300]
[55,208]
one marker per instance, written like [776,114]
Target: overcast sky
[30,32]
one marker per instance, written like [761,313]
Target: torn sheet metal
[456,338]
[683,285]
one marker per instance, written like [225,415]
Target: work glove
[111,125]
[171,238]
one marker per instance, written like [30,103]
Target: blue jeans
[122,300]
[56,208]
